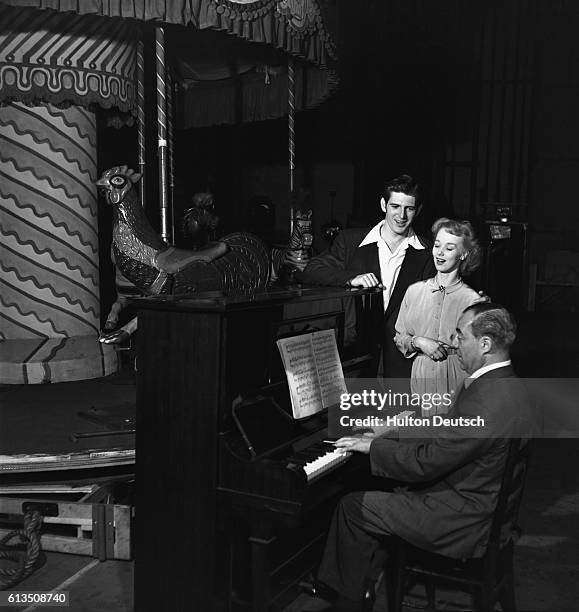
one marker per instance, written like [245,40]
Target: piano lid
[218,301]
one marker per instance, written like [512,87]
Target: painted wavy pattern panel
[47,124]
[10,243]
[75,293]
[62,253]
[49,277]
[30,202]
[31,298]
[15,322]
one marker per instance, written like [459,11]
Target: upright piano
[221,468]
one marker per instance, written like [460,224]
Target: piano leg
[260,571]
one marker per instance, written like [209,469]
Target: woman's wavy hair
[471,245]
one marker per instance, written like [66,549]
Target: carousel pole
[170,133]
[291,135]
[162,131]
[141,116]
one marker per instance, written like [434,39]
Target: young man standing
[390,255]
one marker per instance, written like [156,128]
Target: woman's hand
[431,348]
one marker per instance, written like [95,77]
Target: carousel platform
[58,431]
[67,450]
[55,360]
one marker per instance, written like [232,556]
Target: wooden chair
[489,578]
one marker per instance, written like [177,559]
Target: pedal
[314,588]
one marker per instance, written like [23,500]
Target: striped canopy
[230,57]
[294,26]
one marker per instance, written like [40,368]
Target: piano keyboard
[325,463]
[319,459]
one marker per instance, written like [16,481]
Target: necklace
[442,288]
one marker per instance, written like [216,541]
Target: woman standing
[431,308]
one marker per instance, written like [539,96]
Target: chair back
[490,578]
[504,527]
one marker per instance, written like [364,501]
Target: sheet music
[314,371]
[329,367]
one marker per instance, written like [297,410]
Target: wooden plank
[110,529]
[47,489]
[54,543]
[122,520]
[85,523]
[113,531]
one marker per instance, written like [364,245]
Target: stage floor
[546,556]
[69,425]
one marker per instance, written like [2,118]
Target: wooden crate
[84,527]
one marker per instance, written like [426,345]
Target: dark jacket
[460,468]
[344,260]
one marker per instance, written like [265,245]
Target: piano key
[325,463]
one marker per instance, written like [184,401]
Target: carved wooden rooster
[239,262]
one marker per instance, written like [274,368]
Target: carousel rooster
[239,262]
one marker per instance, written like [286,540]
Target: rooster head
[117,182]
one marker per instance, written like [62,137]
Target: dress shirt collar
[374,235]
[435,286]
[493,366]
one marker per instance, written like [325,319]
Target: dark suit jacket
[344,260]
[459,468]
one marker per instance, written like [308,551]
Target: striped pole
[170,132]
[141,116]
[291,133]
[49,247]
[162,130]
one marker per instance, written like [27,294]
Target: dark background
[478,100]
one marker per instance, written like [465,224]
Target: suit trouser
[354,553]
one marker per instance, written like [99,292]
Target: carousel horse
[199,222]
[300,243]
[289,262]
[238,262]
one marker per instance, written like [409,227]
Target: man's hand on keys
[381,430]
[360,444]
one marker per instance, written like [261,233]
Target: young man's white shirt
[390,262]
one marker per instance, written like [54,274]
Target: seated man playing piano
[459,472]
